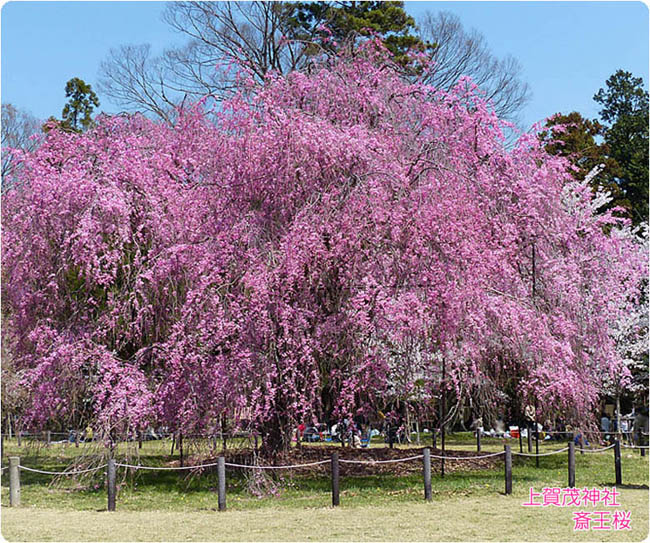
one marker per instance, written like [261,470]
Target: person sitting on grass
[580,440]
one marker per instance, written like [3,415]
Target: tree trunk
[224,436]
[618,413]
[180,446]
[407,418]
[276,437]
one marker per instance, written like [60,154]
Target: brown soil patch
[308,454]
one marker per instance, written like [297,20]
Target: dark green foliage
[76,114]
[625,114]
[619,141]
[578,142]
[341,23]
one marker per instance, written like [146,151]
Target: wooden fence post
[221,475]
[442,449]
[529,437]
[617,461]
[14,481]
[521,449]
[48,436]
[426,459]
[110,482]
[335,479]
[478,440]
[572,464]
[508,465]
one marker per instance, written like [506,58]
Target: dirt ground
[307,454]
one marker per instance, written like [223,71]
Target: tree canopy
[618,142]
[328,235]
[625,114]
[287,36]
[18,130]
[82,100]
[340,23]
[577,138]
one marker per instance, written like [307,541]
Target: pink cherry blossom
[317,243]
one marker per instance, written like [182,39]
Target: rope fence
[372,462]
[111,465]
[254,466]
[594,432]
[163,468]
[467,457]
[76,472]
[598,450]
[541,454]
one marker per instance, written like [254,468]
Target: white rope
[380,461]
[468,457]
[597,450]
[2,469]
[225,463]
[277,467]
[567,432]
[542,454]
[63,472]
[635,446]
[154,468]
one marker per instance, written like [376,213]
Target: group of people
[348,431]
[358,432]
[634,426]
[311,432]
[81,436]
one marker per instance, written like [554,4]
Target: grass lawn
[173,506]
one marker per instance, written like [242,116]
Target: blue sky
[567,49]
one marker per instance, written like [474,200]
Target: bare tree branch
[261,36]
[136,81]
[461,53]
[18,129]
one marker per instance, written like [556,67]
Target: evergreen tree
[577,139]
[625,115]
[76,114]
[341,23]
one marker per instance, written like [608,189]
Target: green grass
[460,500]
[497,518]
[180,491]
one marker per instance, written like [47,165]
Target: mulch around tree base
[309,453]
